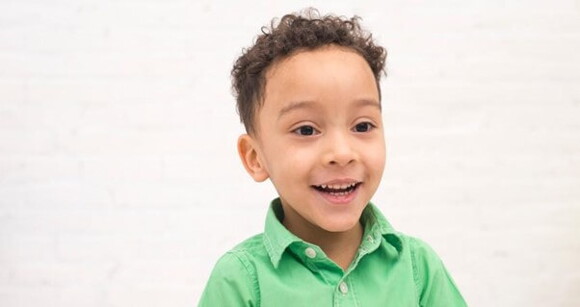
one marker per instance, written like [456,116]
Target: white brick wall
[118,130]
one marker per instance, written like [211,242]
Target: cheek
[294,161]
[377,156]
[280,158]
[378,161]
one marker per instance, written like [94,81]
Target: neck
[340,247]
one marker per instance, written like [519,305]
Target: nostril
[340,153]
[341,162]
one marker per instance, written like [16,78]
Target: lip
[335,199]
[340,181]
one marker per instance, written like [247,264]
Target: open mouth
[337,189]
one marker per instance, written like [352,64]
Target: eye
[363,127]
[305,130]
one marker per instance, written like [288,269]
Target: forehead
[327,73]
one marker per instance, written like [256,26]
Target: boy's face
[319,138]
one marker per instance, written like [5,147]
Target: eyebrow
[310,104]
[369,102]
[295,105]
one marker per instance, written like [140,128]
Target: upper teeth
[338,186]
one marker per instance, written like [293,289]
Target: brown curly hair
[296,32]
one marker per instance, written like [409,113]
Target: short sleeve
[231,283]
[435,286]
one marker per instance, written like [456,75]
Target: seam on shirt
[353,291]
[315,270]
[269,246]
[416,277]
[241,255]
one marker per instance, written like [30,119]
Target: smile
[337,189]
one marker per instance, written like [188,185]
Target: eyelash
[298,130]
[370,126]
[313,131]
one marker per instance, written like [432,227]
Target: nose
[340,150]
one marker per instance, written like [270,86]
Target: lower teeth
[338,193]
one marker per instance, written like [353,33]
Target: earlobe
[248,151]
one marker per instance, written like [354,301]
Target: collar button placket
[310,252]
[343,288]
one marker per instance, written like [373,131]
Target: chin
[341,221]
[339,226]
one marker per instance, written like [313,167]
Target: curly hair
[293,33]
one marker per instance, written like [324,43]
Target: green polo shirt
[276,268]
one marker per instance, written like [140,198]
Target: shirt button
[343,288]
[310,252]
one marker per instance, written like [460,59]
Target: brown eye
[305,130]
[363,127]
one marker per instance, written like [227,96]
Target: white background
[120,184]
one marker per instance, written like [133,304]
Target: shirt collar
[376,225]
[277,238]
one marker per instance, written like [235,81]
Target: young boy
[308,94]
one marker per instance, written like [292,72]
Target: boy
[308,94]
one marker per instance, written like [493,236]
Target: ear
[248,151]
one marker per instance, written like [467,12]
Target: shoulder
[250,245]
[233,280]
[424,259]
[421,250]
[435,286]
[240,257]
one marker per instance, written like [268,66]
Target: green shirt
[277,268]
